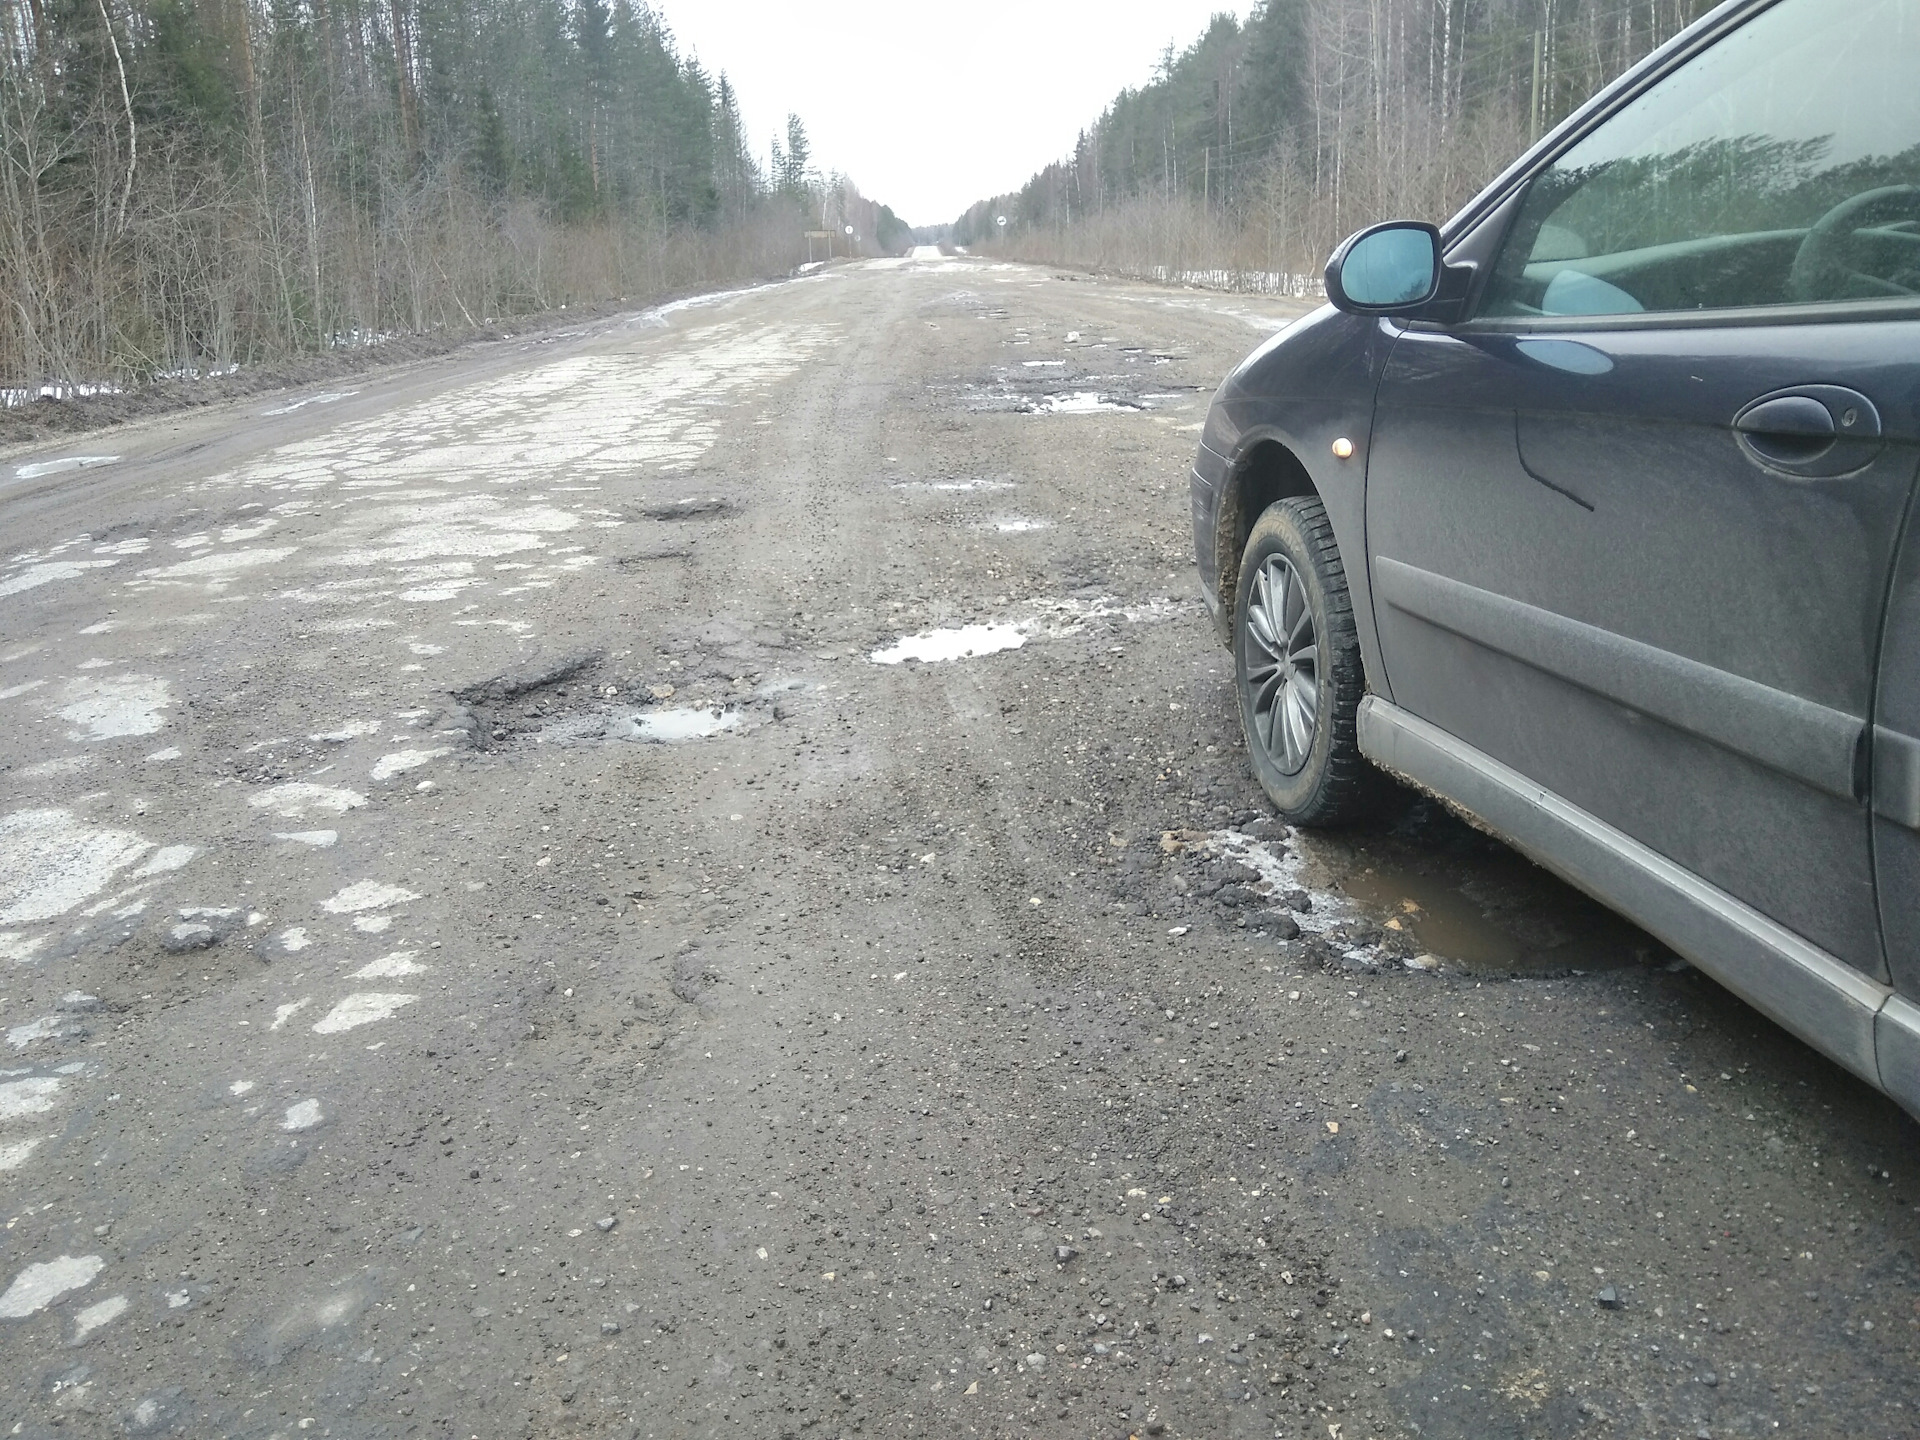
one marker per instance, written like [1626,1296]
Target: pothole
[667,727]
[1082,402]
[1051,619]
[957,642]
[691,508]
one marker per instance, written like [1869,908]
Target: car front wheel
[1298,671]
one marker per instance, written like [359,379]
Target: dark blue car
[1590,512]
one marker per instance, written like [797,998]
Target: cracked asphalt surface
[486,948]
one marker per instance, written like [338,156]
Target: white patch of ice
[240,1087]
[47,572]
[954,643]
[366,895]
[51,863]
[1083,402]
[14,690]
[362,1008]
[14,1154]
[38,1286]
[294,939]
[284,1013]
[352,730]
[372,924]
[958,486]
[170,753]
[221,566]
[401,761]
[31,1096]
[20,948]
[325,397]
[166,859]
[665,727]
[1020,525]
[102,1312]
[319,839]
[1281,873]
[303,1115]
[54,769]
[390,967]
[65,463]
[47,1026]
[293,800]
[237,534]
[114,706]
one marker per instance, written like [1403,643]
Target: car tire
[1298,672]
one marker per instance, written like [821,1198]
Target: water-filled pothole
[667,727]
[1082,402]
[1477,903]
[951,643]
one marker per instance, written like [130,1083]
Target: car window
[1779,167]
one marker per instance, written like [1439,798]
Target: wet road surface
[695,877]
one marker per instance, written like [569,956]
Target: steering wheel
[1823,266]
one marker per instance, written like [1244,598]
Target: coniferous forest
[1253,152]
[186,185]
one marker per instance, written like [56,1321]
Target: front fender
[1307,387]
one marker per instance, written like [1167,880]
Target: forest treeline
[1252,153]
[191,184]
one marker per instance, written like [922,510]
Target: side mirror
[1390,269]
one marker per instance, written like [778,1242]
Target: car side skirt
[1799,986]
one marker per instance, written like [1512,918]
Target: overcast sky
[930,107]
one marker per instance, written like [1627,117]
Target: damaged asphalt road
[697,878]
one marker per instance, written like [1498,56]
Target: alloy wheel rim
[1283,665]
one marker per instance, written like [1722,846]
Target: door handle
[1811,430]
[1798,417]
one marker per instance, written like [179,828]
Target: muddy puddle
[1474,903]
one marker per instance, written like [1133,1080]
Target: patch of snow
[166,859]
[366,895]
[319,839]
[303,1115]
[293,800]
[45,573]
[325,397]
[221,566]
[390,967]
[364,1008]
[401,761]
[31,1096]
[103,1312]
[41,468]
[38,1286]
[14,1154]
[115,706]
[50,863]
[20,948]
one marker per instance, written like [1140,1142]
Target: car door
[1631,525]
